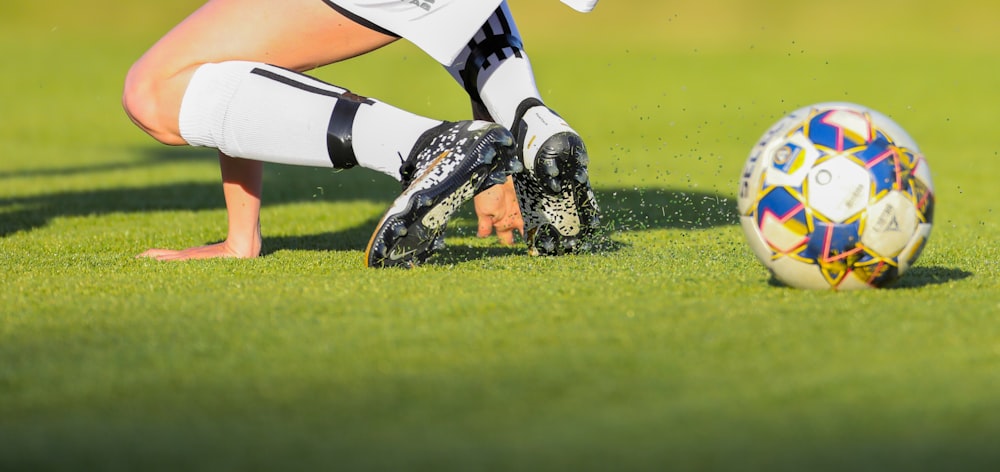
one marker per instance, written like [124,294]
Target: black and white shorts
[440,27]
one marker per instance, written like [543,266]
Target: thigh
[296,34]
[440,27]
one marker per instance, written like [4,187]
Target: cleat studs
[399,231]
[497,177]
[516,166]
[581,175]
[488,155]
[424,201]
[553,185]
[549,167]
[506,139]
[438,243]
[547,245]
[569,244]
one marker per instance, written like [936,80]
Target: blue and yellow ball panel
[875,271]
[782,220]
[882,160]
[831,242]
[824,131]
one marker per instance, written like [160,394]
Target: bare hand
[242,182]
[497,209]
[211,251]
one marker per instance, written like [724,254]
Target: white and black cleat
[449,165]
[560,211]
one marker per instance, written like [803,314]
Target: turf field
[670,351]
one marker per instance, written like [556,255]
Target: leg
[558,205]
[216,94]
[295,34]
[298,37]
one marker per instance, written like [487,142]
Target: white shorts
[439,27]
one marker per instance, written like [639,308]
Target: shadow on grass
[915,277]
[151,156]
[918,276]
[623,209]
[350,239]
[283,184]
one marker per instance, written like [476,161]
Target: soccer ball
[836,195]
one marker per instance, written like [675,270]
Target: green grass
[670,351]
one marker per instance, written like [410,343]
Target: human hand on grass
[242,182]
[224,249]
[497,209]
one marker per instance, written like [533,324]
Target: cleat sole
[412,230]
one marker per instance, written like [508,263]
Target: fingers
[505,234]
[485,226]
[498,211]
[510,224]
[505,227]
[506,237]
[165,254]
[211,251]
[154,253]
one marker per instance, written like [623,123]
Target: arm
[242,184]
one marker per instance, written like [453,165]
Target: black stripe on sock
[340,129]
[304,86]
[494,44]
[340,133]
[505,27]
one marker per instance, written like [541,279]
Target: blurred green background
[671,352]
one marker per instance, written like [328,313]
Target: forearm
[242,185]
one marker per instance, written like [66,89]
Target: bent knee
[153,104]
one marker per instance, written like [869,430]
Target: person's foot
[558,205]
[448,166]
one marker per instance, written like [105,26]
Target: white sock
[505,78]
[262,112]
[505,86]
[541,123]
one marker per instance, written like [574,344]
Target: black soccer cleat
[557,203]
[449,165]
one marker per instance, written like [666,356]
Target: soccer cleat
[557,203]
[449,165]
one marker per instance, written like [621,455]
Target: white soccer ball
[836,195]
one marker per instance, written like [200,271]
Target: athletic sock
[494,68]
[497,74]
[262,112]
